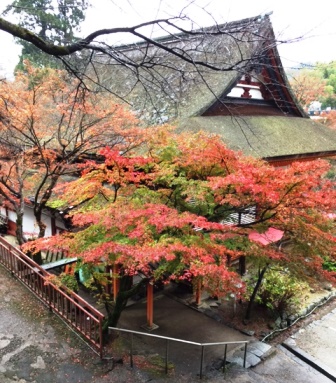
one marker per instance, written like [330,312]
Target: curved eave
[288,159]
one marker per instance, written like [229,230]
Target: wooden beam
[242,265]
[150,325]
[60,262]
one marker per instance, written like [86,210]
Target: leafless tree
[163,67]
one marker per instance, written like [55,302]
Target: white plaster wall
[12,216]
[29,225]
[238,90]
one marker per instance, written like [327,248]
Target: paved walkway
[36,347]
[278,365]
[176,320]
[316,344]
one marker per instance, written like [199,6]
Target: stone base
[150,328]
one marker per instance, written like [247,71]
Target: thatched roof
[160,86]
[266,136]
[195,94]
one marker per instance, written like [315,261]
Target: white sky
[291,19]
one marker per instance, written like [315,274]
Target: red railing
[83,317]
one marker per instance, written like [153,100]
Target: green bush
[281,292]
[69,281]
[329,264]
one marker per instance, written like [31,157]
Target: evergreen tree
[53,20]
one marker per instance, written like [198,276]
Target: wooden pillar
[150,325]
[198,292]
[150,304]
[115,277]
[53,226]
[242,265]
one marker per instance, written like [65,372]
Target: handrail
[31,264]
[167,338]
[177,339]
[73,309]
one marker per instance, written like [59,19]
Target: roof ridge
[201,31]
[264,16]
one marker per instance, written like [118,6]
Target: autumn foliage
[329,119]
[165,214]
[308,86]
[49,124]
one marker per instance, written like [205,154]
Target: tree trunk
[20,210]
[19,228]
[41,225]
[255,291]
[41,200]
[115,309]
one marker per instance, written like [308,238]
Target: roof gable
[232,83]
[161,87]
[264,90]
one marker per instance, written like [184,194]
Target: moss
[266,136]
[155,365]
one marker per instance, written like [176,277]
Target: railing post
[245,351]
[202,360]
[101,338]
[50,297]
[224,362]
[131,356]
[167,345]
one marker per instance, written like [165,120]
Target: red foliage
[165,219]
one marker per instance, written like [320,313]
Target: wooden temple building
[232,84]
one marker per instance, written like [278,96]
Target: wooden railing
[83,317]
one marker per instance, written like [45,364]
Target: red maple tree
[170,214]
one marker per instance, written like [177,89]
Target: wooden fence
[79,314]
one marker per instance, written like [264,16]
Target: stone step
[256,352]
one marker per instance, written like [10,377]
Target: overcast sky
[315,21]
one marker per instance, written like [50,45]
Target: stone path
[256,352]
[316,344]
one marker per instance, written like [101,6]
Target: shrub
[329,264]
[281,292]
[69,281]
